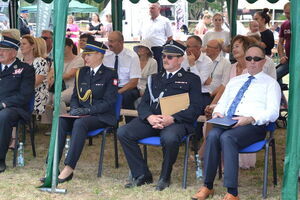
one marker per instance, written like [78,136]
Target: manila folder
[172,104]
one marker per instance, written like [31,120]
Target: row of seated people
[106,83]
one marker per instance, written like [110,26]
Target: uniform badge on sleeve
[115,81]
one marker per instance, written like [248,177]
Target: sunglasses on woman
[255,58]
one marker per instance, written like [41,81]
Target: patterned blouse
[41,91]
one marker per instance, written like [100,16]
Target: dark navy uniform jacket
[24,28]
[17,87]
[104,86]
[181,82]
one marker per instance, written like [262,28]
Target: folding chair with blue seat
[258,146]
[265,144]
[104,132]
[155,141]
[31,131]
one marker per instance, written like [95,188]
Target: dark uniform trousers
[16,90]
[79,129]
[101,110]
[157,55]
[129,97]
[229,142]
[207,99]
[8,119]
[170,138]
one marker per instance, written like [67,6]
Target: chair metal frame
[23,123]
[155,141]
[104,132]
[258,146]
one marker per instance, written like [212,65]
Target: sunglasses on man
[169,57]
[255,58]
[45,38]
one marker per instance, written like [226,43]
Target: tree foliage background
[196,9]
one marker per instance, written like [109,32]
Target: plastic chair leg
[220,169]
[185,162]
[274,163]
[265,184]
[90,141]
[116,149]
[101,154]
[15,154]
[145,154]
[32,140]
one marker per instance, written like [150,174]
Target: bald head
[116,42]
[213,49]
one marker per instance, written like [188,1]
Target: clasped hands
[79,111]
[241,121]
[160,121]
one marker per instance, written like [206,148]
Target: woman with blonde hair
[201,27]
[31,55]
[218,33]
[42,47]
[72,27]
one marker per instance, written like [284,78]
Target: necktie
[116,63]
[5,68]
[92,73]
[237,99]
[170,75]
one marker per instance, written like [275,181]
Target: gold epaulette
[87,95]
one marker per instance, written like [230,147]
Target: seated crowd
[95,73]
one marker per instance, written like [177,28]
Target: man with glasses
[17,89]
[253,100]
[198,63]
[151,121]
[47,35]
[220,68]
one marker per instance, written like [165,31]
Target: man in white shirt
[253,99]
[127,64]
[201,65]
[198,63]
[221,67]
[157,30]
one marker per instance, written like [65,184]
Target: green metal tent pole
[232,11]
[291,162]
[116,10]
[13,14]
[60,18]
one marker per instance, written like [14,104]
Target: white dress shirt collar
[172,72]
[96,68]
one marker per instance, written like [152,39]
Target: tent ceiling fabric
[152,1]
[74,7]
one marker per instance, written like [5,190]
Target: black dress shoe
[162,184]
[68,178]
[139,181]
[2,166]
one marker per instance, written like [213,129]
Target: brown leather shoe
[230,197]
[203,193]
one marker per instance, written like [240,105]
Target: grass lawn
[21,182]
